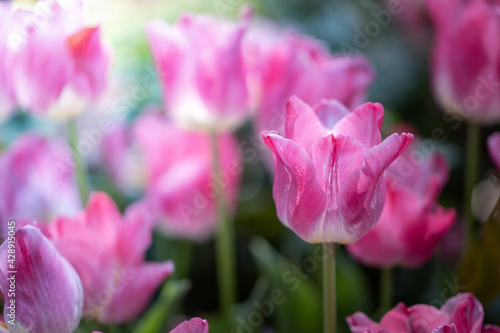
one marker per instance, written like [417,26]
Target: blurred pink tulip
[179,176]
[284,64]
[460,314]
[195,325]
[494,148]
[411,16]
[203,73]
[53,55]
[329,182]
[123,159]
[45,293]
[465,63]
[7,100]
[412,223]
[107,251]
[37,180]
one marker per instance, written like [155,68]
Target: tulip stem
[385,290]
[224,241]
[81,173]
[329,296]
[471,175]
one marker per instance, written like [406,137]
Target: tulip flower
[287,63]
[153,158]
[329,182]
[37,180]
[195,325]
[7,100]
[460,314]
[494,149]
[465,61]
[412,223]
[57,63]
[186,205]
[202,70]
[42,291]
[107,251]
[123,159]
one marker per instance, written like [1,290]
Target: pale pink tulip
[179,176]
[195,325]
[107,251]
[55,58]
[7,100]
[460,314]
[412,223]
[329,182]
[494,148]
[42,291]
[465,62]
[37,180]
[284,64]
[202,70]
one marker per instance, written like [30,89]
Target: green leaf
[294,299]
[479,272]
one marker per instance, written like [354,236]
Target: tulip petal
[299,199]
[363,124]
[195,325]
[168,48]
[397,320]
[91,61]
[356,199]
[425,317]
[132,294]
[466,312]
[330,112]
[361,323]
[446,329]
[302,125]
[48,292]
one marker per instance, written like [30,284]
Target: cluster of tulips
[69,253]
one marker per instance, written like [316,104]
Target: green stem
[81,173]
[183,254]
[471,174]
[385,290]
[329,296]
[224,241]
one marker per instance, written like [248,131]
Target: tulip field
[261,166]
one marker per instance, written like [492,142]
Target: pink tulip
[195,325]
[329,182]
[494,148]
[37,180]
[465,61]
[7,100]
[287,63]
[153,154]
[201,66]
[55,57]
[123,159]
[44,294]
[412,223]
[179,176]
[460,314]
[107,251]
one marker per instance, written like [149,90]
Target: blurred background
[398,46]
